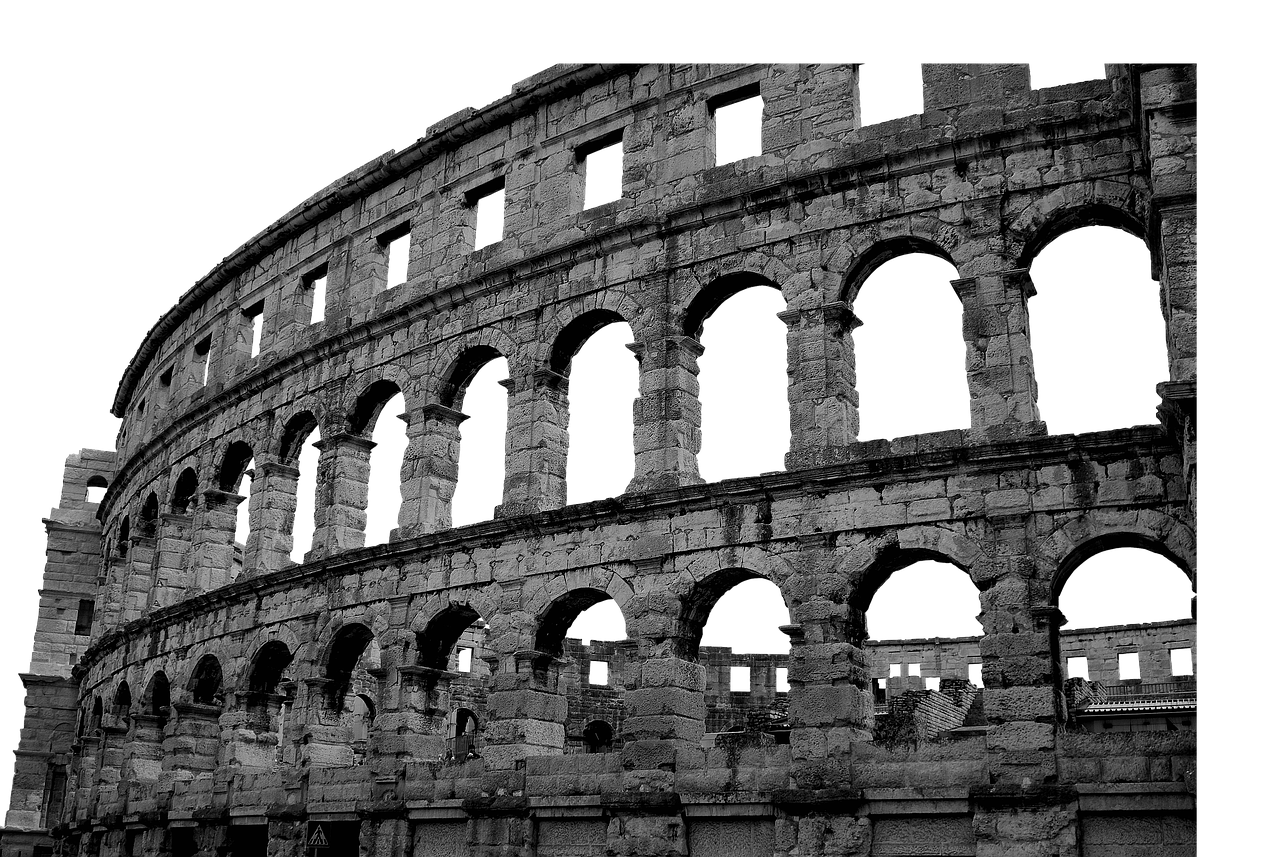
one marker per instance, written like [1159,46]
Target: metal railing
[1152,691]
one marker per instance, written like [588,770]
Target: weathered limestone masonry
[232,701]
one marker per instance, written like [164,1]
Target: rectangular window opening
[598,672]
[142,407]
[932,682]
[913,669]
[84,617]
[396,246]
[1129,666]
[739,679]
[166,378]
[975,674]
[602,168]
[1180,662]
[464,660]
[314,285]
[895,670]
[202,358]
[489,202]
[1078,667]
[737,121]
[1047,74]
[889,90]
[780,682]
[253,315]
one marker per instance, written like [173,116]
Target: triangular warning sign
[318,839]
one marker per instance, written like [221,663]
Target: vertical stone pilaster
[667,414]
[213,541]
[415,708]
[173,563]
[192,742]
[821,391]
[138,580]
[527,708]
[429,474]
[342,494]
[111,595]
[143,753]
[1002,382]
[249,731]
[326,740]
[1177,223]
[537,443]
[273,504]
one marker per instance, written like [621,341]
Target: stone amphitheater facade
[201,710]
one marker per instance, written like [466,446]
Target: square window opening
[201,352]
[913,669]
[602,168]
[1129,668]
[737,123]
[895,670]
[780,682]
[598,673]
[1078,667]
[314,286]
[489,202]
[889,90]
[166,378]
[739,679]
[975,674]
[464,660]
[1180,662]
[932,682]
[395,245]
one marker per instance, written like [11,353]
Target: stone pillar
[1002,381]
[87,775]
[272,505]
[214,539]
[326,740]
[537,443]
[411,721]
[1020,698]
[249,731]
[143,753]
[111,595]
[664,702]
[173,559]
[527,708]
[110,765]
[1177,223]
[192,741]
[342,494]
[667,414]
[820,381]
[429,474]
[138,579]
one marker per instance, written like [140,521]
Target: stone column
[143,753]
[537,443]
[1020,697]
[664,702]
[111,596]
[87,775]
[342,494]
[667,414]
[527,708]
[326,740]
[429,474]
[1002,381]
[173,560]
[192,742]
[248,732]
[820,381]
[138,580]
[110,765]
[272,506]
[214,540]
[415,708]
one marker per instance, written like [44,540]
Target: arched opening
[268,666]
[297,449]
[602,391]
[910,347]
[1094,288]
[450,633]
[95,718]
[354,658]
[184,493]
[235,476]
[206,682]
[742,376]
[478,377]
[155,701]
[358,712]
[121,705]
[463,729]
[1127,648]
[384,471]
[148,516]
[122,538]
[95,489]
[597,737]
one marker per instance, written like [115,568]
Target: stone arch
[575,334]
[1063,550]
[345,650]
[577,321]
[265,669]
[455,375]
[205,683]
[261,637]
[296,431]
[364,410]
[185,488]
[315,655]
[1072,207]
[437,632]
[122,537]
[699,590]
[235,461]
[149,516]
[872,258]
[156,699]
[554,620]
[710,297]
[543,591]
[122,702]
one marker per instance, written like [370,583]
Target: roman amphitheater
[192,695]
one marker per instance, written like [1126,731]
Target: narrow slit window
[201,359]
[314,285]
[780,682]
[975,674]
[1078,668]
[397,261]
[142,407]
[598,673]
[737,127]
[1180,662]
[464,660]
[739,679]
[489,219]
[253,317]
[84,617]
[1129,668]
[602,168]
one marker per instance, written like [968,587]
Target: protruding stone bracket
[1046,619]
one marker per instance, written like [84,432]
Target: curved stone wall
[247,726]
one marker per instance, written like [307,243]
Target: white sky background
[144,144]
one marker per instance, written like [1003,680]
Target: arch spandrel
[1087,534]
[1049,216]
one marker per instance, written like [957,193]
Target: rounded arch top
[368,405]
[235,461]
[560,614]
[866,263]
[574,335]
[1110,541]
[462,370]
[296,431]
[1041,227]
[709,298]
